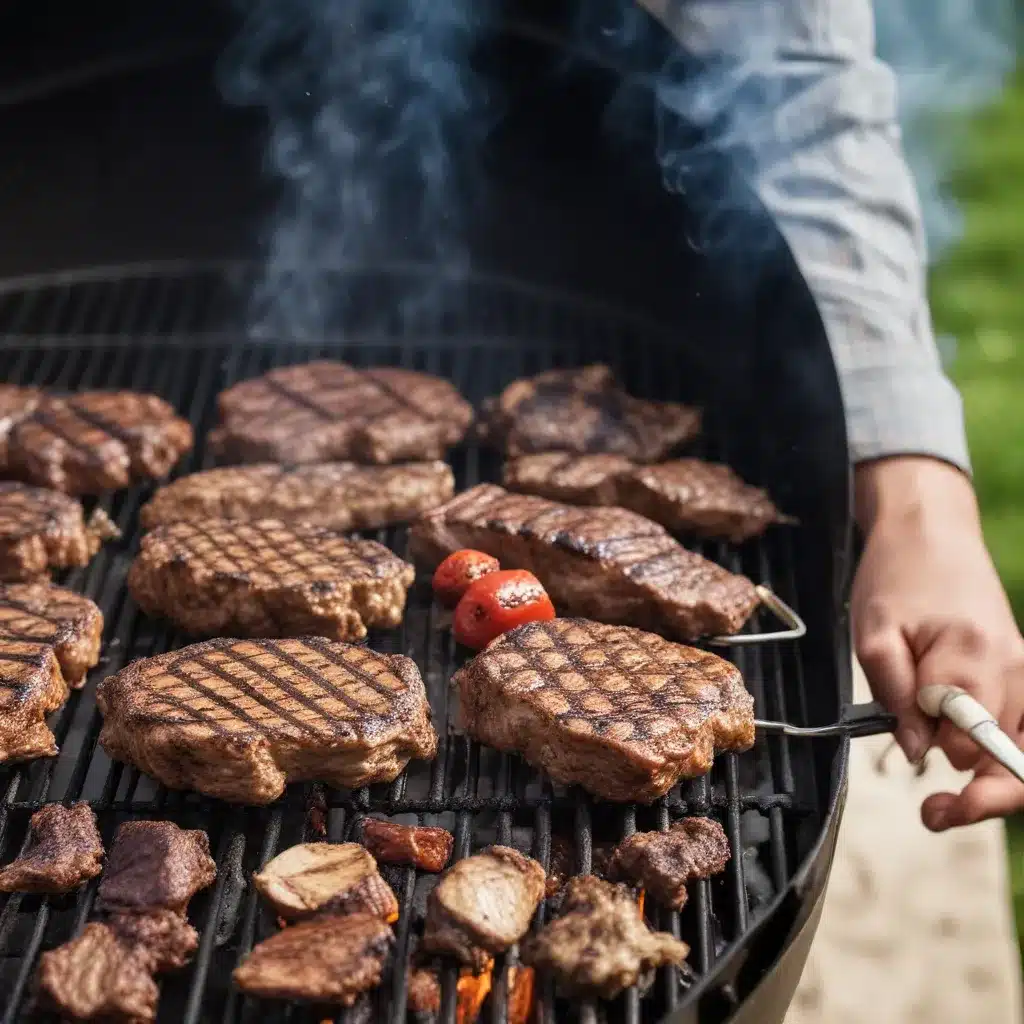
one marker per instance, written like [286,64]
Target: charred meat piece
[15,404]
[64,850]
[664,862]
[255,714]
[42,530]
[163,937]
[327,959]
[562,863]
[600,945]
[268,578]
[420,846]
[339,495]
[154,865]
[623,713]
[482,905]
[605,563]
[68,622]
[338,877]
[584,411]
[31,686]
[97,441]
[329,410]
[424,991]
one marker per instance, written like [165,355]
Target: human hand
[928,607]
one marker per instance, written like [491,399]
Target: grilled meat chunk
[327,959]
[600,945]
[664,862]
[585,411]
[42,613]
[567,477]
[329,410]
[15,404]
[31,686]
[255,714]
[420,846]
[604,563]
[268,578]
[482,905]
[64,850]
[562,863]
[97,441]
[339,495]
[424,991]
[163,937]
[623,713]
[41,529]
[338,877]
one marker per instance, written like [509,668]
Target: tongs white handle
[968,714]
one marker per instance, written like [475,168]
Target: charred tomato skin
[498,602]
[454,576]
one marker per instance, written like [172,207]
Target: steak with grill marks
[340,495]
[15,404]
[604,563]
[585,411]
[31,686]
[268,578]
[64,850]
[623,713]
[330,410]
[97,441]
[238,719]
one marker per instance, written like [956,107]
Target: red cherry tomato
[461,568]
[497,603]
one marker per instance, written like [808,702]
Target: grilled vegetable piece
[604,563]
[497,603]
[330,410]
[339,877]
[31,686]
[623,713]
[458,571]
[327,959]
[268,578]
[255,714]
[64,850]
[339,495]
[418,846]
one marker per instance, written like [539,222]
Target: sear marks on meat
[97,441]
[154,865]
[600,945]
[42,530]
[329,410]
[341,878]
[327,959]
[238,719]
[663,863]
[338,495]
[607,564]
[483,905]
[623,713]
[564,476]
[419,846]
[64,850]
[68,622]
[15,404]
[31,686]
[584,411]
[268,578]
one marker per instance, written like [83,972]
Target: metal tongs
[795,626]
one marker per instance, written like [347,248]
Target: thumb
[891,671]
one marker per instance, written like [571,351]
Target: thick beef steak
[15,404]
[31,686]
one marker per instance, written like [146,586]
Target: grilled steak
[341,878]
[584,411]
[328,410]
[327,959]
[15,404]
[340,495]
[97,441]
[483,905]
[623,713]
[41,529]
[268,578]
[600,945]
[564,476]
[71,624]
[420,846]
[603,563]
[163,937]
[664,862]
[255,714]
[31,686]
[64,850]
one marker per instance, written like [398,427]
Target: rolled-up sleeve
[836,180]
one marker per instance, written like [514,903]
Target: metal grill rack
[175,330]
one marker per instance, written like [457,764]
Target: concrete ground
[917,928]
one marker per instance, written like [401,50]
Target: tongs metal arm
[856,720]
[795,626]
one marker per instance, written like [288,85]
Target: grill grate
[174,331]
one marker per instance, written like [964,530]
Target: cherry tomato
[461,568]
[498,602]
